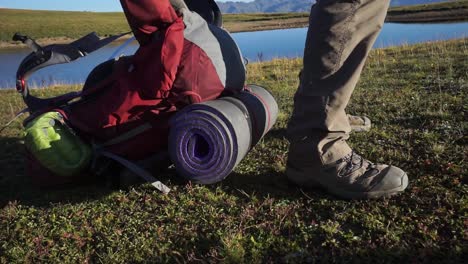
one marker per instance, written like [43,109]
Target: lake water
[262,45]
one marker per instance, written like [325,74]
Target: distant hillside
[285,6]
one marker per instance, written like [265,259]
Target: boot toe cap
[394,180]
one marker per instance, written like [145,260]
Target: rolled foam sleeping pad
[208,140]
[263,110]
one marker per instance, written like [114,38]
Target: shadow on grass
[268,184]
[16,186]
[280,133]
[274,185]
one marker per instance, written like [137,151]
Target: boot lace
[353,162]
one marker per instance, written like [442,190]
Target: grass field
[459,4]
[256,22]
[416,97]
[446,11]
[54,26]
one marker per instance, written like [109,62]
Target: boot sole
[292,173]
[358,129]
[366,127]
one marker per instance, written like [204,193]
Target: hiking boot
[359,123]
[351,177]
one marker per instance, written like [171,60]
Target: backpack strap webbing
[138,170]
[126,136]
[131,166]
[42,57]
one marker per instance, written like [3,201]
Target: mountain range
[286,6]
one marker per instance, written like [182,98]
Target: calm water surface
[263,45]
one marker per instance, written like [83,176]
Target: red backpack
[124,108]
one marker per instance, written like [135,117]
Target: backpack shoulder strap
[42,57]
[208,9]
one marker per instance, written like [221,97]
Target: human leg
[341,34]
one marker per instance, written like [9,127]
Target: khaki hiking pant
[340,36]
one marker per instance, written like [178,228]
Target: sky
[74,5]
